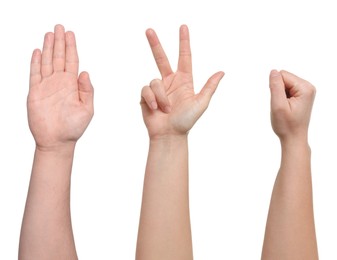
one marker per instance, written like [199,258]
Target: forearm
[46,228]
[164,230]
[290,231]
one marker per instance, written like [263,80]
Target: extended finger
[209,89]
[185,56]
[158,53]
[86,90]
[47,55]
[59,48]
[71,54]
[35,68]
[158,90]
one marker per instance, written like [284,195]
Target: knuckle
[58,55]
[160,60]
[185,53]
[309,89]
[147,93]
[155,83]
[208,90]
[144,90]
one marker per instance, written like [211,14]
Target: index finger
[158,53]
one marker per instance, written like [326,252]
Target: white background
[234,154]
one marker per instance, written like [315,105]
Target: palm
[55,110]
[186,106]
[179,86]
[180,93]
[59,102]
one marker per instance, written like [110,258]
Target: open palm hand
[60,103]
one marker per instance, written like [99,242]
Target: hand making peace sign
[169,105]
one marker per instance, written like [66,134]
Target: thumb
[277,90]
[85,89]
[209,89]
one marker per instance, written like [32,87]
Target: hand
[60,103]
[170,106]
[292,99]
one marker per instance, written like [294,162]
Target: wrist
[63,148]
[168,143]
[169,138]
[54,163]
[295,142]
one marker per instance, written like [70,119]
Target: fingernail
[274,73]
[154,105]
[183,27]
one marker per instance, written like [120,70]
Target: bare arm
[164,228]
[46,228]
[170,108]
[60,107]
[290,230]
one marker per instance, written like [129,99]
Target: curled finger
[148,98]
[158,89]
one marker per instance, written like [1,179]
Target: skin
[170,108]
[290,230]
[60,107]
